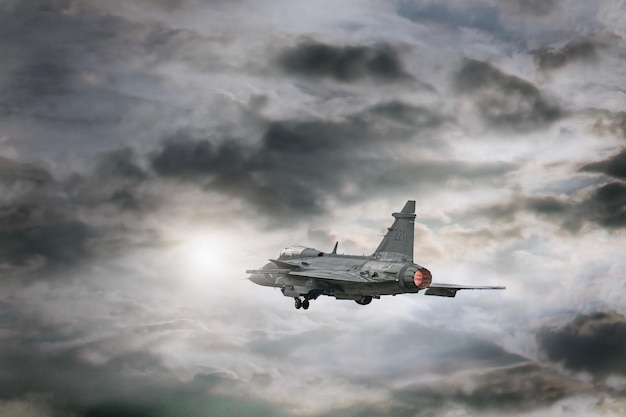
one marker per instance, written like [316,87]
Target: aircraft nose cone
[422,278]
[258,279]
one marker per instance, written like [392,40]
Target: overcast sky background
[151,151]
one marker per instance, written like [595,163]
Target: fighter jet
[306,273]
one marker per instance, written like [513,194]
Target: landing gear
[364,300]
[301,303]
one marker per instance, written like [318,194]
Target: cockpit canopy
[297,251]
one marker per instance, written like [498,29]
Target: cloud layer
[150,152]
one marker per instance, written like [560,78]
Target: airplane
[306,273]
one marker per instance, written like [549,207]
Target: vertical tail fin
[398,242]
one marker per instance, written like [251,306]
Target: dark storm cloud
[614,166]
[504,101]
[417,116]
[393,122]
[296,162]
[57,57]
[343,63]
[297,165]
[607,205]
[275,187]
[77,78]
[126,380]
[79,81]
[278,191]
[12,171]
[576,51]
[604,205]
[294,169]
[593,343]
[522,387]
[231,168]
[519,388]
[82,73]
[115,180]
[51,239]
[185,157]
[35,229]
[120,163]
[46,66]
[59,223]
[437,172]
[534,7]
[71,81]
[64,373]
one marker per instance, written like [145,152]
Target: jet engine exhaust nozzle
[422,278]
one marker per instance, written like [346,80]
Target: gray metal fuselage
[380,277]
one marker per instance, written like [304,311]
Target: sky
[151,151]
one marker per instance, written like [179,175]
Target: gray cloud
[37,228]
[575,51]
[593,201]
[13,171]
[130,382]
[300,163]
[120,163]
[138,131]
[504,101]
[296,167]
[229,168]
[395,121]
[84,77]
[419,117]
[52,240]
[534,7]
[607,205]
[518,388]
[609,123]
[601,204]
[478,15]
[185,157]
[614,166]
[566,213]
[54,224]
[604,205]
[344,63]
[592,343]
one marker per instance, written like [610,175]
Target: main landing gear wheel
[364,300]
[298,303]
[305,304]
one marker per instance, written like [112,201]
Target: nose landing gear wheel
[298,303]
[305,304]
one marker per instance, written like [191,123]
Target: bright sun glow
[204,255]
